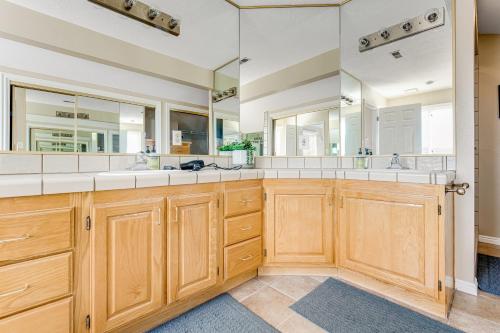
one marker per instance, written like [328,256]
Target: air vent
[244,60]
[396,54]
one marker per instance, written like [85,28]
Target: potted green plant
[242,152]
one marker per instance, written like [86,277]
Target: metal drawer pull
[15,239]
[247,258]
[16,291]
[246,228]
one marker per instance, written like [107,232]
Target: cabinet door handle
[15,239]
[15,291]
[246,258]
[246,228]
[245,201]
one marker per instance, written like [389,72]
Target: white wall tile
[310,174]
[183,178]
[60,163]
[207,159]
[313,163]
[381,162]
[347,163]
[357,175]
[270,174]
[329,162]
[169,161]
[104,182]
[328,174]
[279,163]
[430,163]
[263,162]
[93,163]
[419,178]
[20,185]
[383,176]
[451,163]
[408,162]
[340,174]
[67,183]
[152,180]
[296,163]
[223,162]
[121,162]
[11,164]
[209,176]
[249,174]
[288,174]
[230,175]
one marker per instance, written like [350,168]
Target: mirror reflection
[63,122]
[290,82]
[400,52]
[226,104]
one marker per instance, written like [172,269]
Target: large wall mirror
[290,79]
[398,53]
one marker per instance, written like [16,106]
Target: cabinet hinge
[88,223]
[218,271]
[87,322]
[341,203]
[265,196]
[265,252]
[440,285]
[440,210]
[218,203]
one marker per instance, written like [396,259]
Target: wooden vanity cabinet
[193,244]
[299,221]
[127,240]
[391,232]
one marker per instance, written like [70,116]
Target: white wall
[464,124]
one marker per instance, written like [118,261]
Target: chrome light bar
[433,18]
[144,13]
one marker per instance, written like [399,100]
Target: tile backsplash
[424,163]
[26,163]
[36,163]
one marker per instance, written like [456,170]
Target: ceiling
[488,13]
[284,2]
[274,39]
[209,29]
[426,56]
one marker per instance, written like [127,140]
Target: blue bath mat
[338,307]
[488,274]
[223,314]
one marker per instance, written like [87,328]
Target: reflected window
[437,129]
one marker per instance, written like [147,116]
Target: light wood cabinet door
[392,237]
[127,261]
[299,225]
[193,244]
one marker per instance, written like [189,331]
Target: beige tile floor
[270,297]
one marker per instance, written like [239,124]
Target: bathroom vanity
[129,259]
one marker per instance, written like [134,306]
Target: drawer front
[241,228]
[27,235]
[242,201]
[34,282]
[51,318]
[242,257]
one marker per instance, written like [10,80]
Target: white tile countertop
[38,184]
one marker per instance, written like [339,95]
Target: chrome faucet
[141,162]
[395,162]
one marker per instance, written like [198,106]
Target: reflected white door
[400,129]
[352,133]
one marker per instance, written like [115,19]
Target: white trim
[489,240]
[466,287]
[4,112]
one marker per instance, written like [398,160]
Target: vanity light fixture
[432,19]
[429,82]
[218,96]
[144,13]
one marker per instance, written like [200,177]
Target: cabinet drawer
[241,228]
[242,257]
[29,234]
[34,282]
[242,201]
[51,318]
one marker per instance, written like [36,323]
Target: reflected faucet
[141,162]
[395,162]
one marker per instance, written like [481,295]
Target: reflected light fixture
[144,13]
